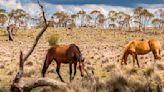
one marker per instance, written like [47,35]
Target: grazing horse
[141,47]
[67,54]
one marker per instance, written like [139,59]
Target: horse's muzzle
[123,63]
[82,75]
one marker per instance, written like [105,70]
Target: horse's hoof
[43,76]
[62,81]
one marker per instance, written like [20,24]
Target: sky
[128,3]
[73,6]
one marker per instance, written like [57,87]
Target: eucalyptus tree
[161,12]
[124,19]
[120,19]
[142,17]
[157,23]
[112,16]
[95,14]
[11,16]
[18,16]
[3,17]
[3,20]
[73,18]
[88,19]
[101,19]
[81,14]
[147,16]
[62,18]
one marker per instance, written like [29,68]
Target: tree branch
[44,82]
[16,85]
[35,42]
[39,35]
[43,13]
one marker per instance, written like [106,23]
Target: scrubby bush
[53,39]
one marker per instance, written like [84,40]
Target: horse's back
[139,46]
[65,53]
[59,50]
[144,46]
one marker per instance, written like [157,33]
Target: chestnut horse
[141,47]
[67,54]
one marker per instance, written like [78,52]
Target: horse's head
[75,53]
[124,57]
[81,67]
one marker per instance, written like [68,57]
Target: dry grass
[102,50]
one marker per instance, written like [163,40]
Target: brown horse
[67,54]
[141,47]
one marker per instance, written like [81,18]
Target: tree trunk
[10,35]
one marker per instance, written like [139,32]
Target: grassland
[102,50]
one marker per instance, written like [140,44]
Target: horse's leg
[75,64]
[58,71]
[156,54]
[137,61]
[70,67]
[47,62]
[133,59]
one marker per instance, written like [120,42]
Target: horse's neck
[126,53]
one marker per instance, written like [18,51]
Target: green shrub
[53,39]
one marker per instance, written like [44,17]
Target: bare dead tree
[10,29]
[18,85]
[10,35]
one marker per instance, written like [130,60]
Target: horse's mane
[127,45]
[76,47]
[76,56]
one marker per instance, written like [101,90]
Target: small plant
[160,66]
[53,39]
[108,68]
[149,71]
[132,71]
[118,83]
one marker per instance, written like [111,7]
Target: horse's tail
[47,62]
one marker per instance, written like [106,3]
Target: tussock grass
[149,71]
[109,67]
[160,66]
[53,39]
[132,70]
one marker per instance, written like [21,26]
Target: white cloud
[88,8]
[10,4]
[32,8]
